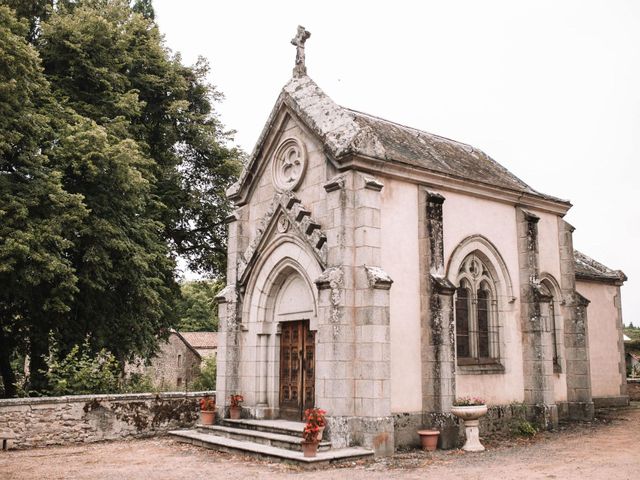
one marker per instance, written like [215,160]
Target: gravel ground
[604,449]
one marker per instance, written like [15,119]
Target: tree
[127,289]
[197,310]
[129,166]
[38,218]
[110,65]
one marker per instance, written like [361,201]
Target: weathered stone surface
[35,422]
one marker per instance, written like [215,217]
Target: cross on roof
[300,69]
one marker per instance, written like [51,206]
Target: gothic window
[476,314]
[552,320]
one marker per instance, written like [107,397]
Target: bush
[138,383]
[81,373]
[206,380]
[525,429]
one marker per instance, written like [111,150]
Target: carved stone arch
[553,286]
[286,256]
[490,255]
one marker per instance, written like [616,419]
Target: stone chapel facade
[379,272]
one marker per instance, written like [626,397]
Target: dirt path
[606,449]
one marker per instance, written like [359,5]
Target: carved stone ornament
[283,224]
[289,164]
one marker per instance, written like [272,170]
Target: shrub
[525,429]
[206,380]
[81,373]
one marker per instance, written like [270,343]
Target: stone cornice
[438,180]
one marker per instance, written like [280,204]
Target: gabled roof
[588,269]
[201,339]
[346,132]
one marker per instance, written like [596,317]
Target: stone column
[335,348]
[576,338]
[622,366]
[354,342]
[537,348]
[227,378]
[437,322]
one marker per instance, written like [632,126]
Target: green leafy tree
[109,64]
[123,164]
[206,380]
[197,309]
[38,218]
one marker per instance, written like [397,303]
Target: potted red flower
[235,409]
[310,440]
[207,410]
[315,416]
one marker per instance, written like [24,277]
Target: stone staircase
[277,440]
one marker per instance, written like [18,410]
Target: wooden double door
[297,369]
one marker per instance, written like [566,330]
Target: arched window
[476,314]
[551,313]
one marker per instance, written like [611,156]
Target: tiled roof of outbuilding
[201,339]
[588,269]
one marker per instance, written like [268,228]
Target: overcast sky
[550,89]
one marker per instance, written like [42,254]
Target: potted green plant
[235,409]
[469,410]
[207,410]
[315,416]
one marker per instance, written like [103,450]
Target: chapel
[380,272]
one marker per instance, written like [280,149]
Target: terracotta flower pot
[207,417]
[234,413]
[309,449]
[429,439]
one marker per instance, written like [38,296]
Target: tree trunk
[37,361]
[8,375]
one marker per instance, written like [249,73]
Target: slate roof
[433,152]
[201,340]
[588,269]
[344,132]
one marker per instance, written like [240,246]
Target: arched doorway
[293,309]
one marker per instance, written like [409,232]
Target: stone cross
[300,69]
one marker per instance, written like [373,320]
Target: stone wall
[500,420]
[633,389]
[37,422]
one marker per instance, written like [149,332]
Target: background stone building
[174,367]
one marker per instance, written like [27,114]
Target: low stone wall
[633,389]
[500,419]
[38,422]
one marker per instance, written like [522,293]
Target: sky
[549,89]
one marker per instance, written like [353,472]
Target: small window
[179,360]
[179,382]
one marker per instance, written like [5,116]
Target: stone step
[291,442]
[230,445]
[282,427]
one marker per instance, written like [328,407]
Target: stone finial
[300,70]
